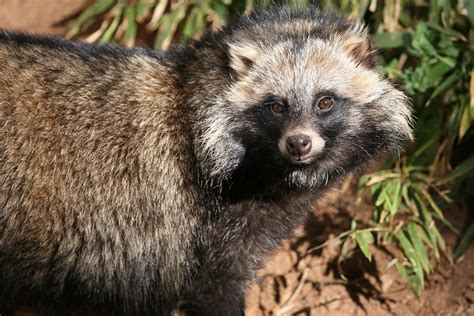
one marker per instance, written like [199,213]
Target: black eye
[325,103]
[278,108]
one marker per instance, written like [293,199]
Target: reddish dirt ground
[40,16]
[298,282]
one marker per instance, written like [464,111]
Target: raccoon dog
[137,182]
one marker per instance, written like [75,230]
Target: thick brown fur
[137,182]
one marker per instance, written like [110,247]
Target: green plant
[426,47]
[167,20]
[431,58]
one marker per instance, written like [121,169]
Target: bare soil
[40,16]
[301,282]
[298,281]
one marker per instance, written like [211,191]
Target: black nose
[298,145]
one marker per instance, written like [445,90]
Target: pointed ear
[242,56]
[359,46]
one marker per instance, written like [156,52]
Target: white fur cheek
[227,159]
[397,104]
[218,152]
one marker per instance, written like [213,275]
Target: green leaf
[189,24]
[423,231]
[427,196]
[463,169]
[434,233]
[142,9]
[396,196]
[169,24]
[131,30]
[353,224]
[446,30]
[360,7]
[364,238]
[110,32]
[433,74]
[469,5]
[471,92]
[447,11]
[421,43]
[415,281]
[401,269]
[420,252]
[382,196]
[200,23]
[448,61]
[392,40]
[96,9]
[410,253]
[221,10]
[409,201]
[434,12]
[445,84]
[165,29]
[466,240]
[466,120]
[430,227]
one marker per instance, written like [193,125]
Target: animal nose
[298,145]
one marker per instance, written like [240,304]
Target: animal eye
[278,108]
[325,103]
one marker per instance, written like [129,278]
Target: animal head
[304,101]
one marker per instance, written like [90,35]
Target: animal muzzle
[301,146]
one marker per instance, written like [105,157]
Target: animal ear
[242,56]
[359,46]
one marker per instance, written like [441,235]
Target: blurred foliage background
[425,47]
